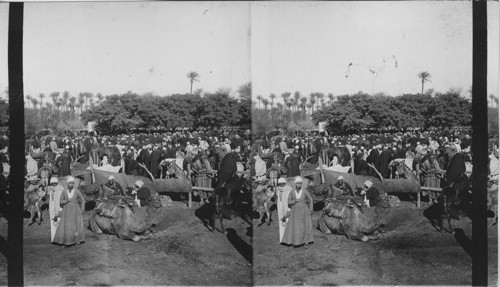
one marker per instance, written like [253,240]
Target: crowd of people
[437,159]
[213,158]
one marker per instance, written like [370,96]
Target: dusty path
[411,252]
[181,252]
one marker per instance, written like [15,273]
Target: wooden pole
[16,145]
[479,143]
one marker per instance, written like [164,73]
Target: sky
[309,46]
[112,48]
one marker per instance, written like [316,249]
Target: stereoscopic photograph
[362,115]
[248,143]
[137,125]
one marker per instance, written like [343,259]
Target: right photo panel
[362,160]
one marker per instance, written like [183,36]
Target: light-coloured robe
[282,204]
[54,208]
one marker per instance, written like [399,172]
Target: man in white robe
[55,191]
[282,191]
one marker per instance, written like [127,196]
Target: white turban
[139,183]
[70,179]
[54,180]
[340,177]
[281,180]
[111,177]
[368,184]
[298,179]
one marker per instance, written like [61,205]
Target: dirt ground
[411,252]
[182,251]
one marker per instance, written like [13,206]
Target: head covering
[260,178]
[298,179]
[111,177]
[139,183]
[296,147]
[368,184]
[70,179]
[340,177]
[281,180]
[54,180]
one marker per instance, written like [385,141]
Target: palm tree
[272,96]
[424,77]
[55,97]
[259,98]
[41,96]
[193,77]
[28,100]
[312,100]
[285,96]
[302,108]
[330,98]
[309,106]
[100,97]
[72,101]
[81,101]
[49,106]
[296,97]
[65,97]
[88,98]
[265,102]
[319,99]
[79,105]
[59,103]
[289,103]
[303,101]
[280,107]
[34,102]
[492,97]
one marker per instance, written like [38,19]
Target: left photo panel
[137,123]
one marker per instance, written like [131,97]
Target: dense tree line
[354,113]
[121,113]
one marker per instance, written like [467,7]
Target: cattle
[34,202]
[263,198]
[346,218]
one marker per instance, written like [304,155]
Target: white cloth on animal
[494,167]
[260,167]
[54,208]
[282,205]
[179,162]
[239,166]
[31,166]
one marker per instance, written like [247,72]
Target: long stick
[372,166]
[147,170]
